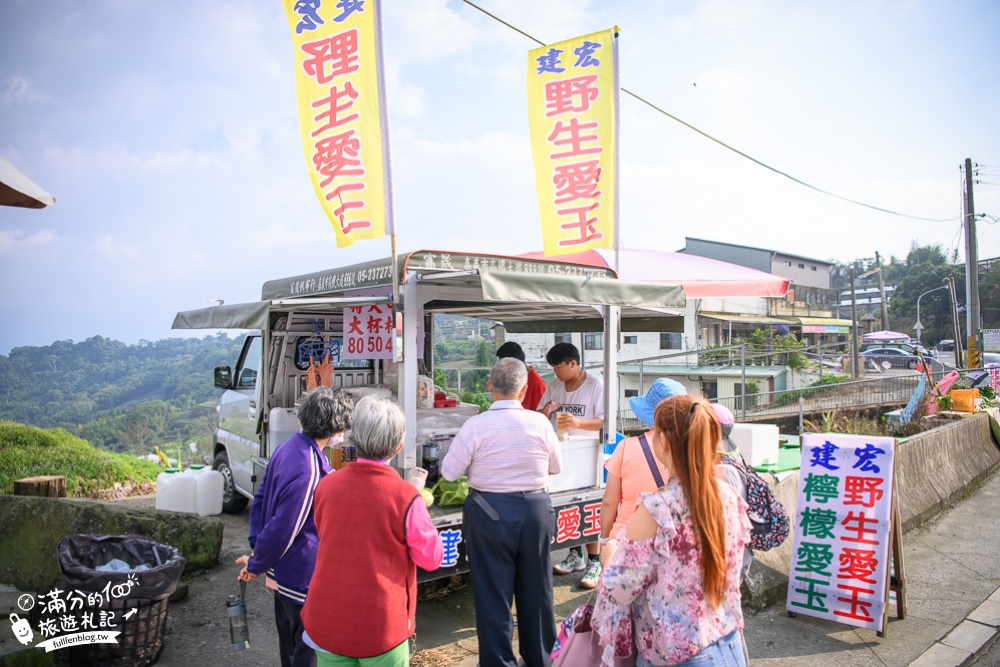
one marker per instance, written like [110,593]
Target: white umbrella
[16,189]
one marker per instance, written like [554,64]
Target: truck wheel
[233,502]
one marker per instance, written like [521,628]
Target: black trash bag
[79,555]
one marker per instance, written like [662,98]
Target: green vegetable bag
[451,493]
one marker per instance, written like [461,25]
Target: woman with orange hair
[675,579]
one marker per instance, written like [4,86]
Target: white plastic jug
[208,499]
[175,491]
[164,485]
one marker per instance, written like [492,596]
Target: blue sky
[167,131]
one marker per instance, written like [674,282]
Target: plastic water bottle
[236,610]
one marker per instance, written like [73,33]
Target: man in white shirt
[508,520]
[581,395]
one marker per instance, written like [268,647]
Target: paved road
[991,658]
[198,629]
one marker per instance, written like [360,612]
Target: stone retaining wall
[30,530]
[934,469]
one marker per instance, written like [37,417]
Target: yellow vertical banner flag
[573,117]
[342,112]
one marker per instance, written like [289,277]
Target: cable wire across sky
[708,136]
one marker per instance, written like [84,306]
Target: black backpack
[768,519]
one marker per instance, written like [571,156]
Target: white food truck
[346,311]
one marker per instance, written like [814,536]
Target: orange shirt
[629,464]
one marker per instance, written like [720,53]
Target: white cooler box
[581,455]
[758,443]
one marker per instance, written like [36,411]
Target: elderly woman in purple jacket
[282,531]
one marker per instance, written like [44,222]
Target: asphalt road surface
[197,630]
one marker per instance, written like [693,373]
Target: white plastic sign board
[368,332]
[841,530]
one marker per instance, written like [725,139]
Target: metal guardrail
[854,394]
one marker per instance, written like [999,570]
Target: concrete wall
[934,469]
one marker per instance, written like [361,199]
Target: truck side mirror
[223,377]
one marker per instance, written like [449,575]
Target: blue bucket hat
[645,406]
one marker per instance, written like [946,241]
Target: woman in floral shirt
[676,576]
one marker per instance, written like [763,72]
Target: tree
[484,354]
[935,307]
[989,296]
[929,254]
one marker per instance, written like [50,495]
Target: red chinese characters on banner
[578,179]
[337,145]
[368,332]
[342,112]
[572,105]
[573,524]
[592,519]
[568,524]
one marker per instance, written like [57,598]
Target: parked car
[947,345]
[894,356]
[878,345]
[991,358]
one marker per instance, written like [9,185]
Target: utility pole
[971,266]
[854,329]
[956,325]
[881,291]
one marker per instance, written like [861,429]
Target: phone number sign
[368,332]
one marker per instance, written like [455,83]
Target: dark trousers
[510,558]
[294,651]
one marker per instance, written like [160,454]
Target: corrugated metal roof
[719,249]
[754,258]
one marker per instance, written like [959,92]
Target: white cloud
[15,240]
[115,250]
[20,90]
[279,235]
[405,98]
[124,165]
[496,150]
[429,30]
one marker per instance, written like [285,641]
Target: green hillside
[27,451]
[124,398]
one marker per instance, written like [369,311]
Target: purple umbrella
[887,335]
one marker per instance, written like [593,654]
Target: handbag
[578,645]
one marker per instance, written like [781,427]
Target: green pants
[397,657]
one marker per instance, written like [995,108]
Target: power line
[724,144]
